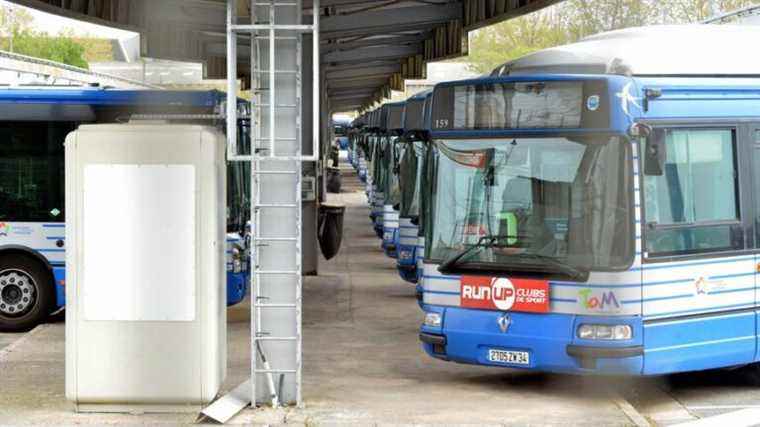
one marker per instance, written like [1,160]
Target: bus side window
[693,206]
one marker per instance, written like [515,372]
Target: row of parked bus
[590,208]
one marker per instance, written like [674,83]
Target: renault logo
[504,321]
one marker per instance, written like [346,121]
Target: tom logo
[501,293]
[5,228]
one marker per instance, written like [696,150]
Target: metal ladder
[275,33]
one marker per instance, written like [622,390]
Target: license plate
[508,356]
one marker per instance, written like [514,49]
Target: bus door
[753,136]
[698,292]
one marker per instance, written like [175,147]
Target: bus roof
[106,97]
[665,50]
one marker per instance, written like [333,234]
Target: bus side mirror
[490,172]
[655,154]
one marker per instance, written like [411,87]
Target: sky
[53,24]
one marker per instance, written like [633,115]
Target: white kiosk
[145,279]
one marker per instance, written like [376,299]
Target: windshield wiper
[561,266]
[483,242]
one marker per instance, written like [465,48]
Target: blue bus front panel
[549,339]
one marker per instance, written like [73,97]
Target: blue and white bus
[595,207]
[34,123]
[376,178]
[411,167]
[391,154]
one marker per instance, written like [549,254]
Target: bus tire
[27,294]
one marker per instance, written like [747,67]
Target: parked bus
[340,132]
[594,207]
[377,179]
[34,123]
[392,152]
[411,167]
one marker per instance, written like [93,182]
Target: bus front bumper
[545,342]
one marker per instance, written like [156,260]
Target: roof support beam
[341,67]
[482,13]
[360,83]
[389,20]
[371,53]
[351,73]
[376,41]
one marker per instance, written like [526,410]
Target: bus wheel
[26,293]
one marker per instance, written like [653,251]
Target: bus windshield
[391,155]
[410,178]
[535,206]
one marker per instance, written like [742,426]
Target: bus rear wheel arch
[27,294]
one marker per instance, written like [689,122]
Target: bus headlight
[605,332]
[405,255]
[433,320]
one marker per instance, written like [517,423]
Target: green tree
[58,49]
[17,36]
[572,20]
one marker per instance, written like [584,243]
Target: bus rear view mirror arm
[655,153]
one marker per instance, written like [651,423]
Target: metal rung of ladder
[268,27]
[276,106]
[276,71]
[276,338]
[275,205]
[276,38]
[274,172]
[275,371]
[283,272]
[277,4]
[271,305]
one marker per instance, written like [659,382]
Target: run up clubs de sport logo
[501,293]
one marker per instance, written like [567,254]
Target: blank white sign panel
[139,243]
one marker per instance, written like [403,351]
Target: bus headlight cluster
[605,332]
[405,255]
[433,320]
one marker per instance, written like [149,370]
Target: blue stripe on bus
[705,310]
[50,250]
[55,238]
[574,301]
[440,292]
[690,295]
[690,264]
[53,225]
[728,276]
[593,285]
[620,285]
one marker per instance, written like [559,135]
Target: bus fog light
[605,332]
[433,320]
